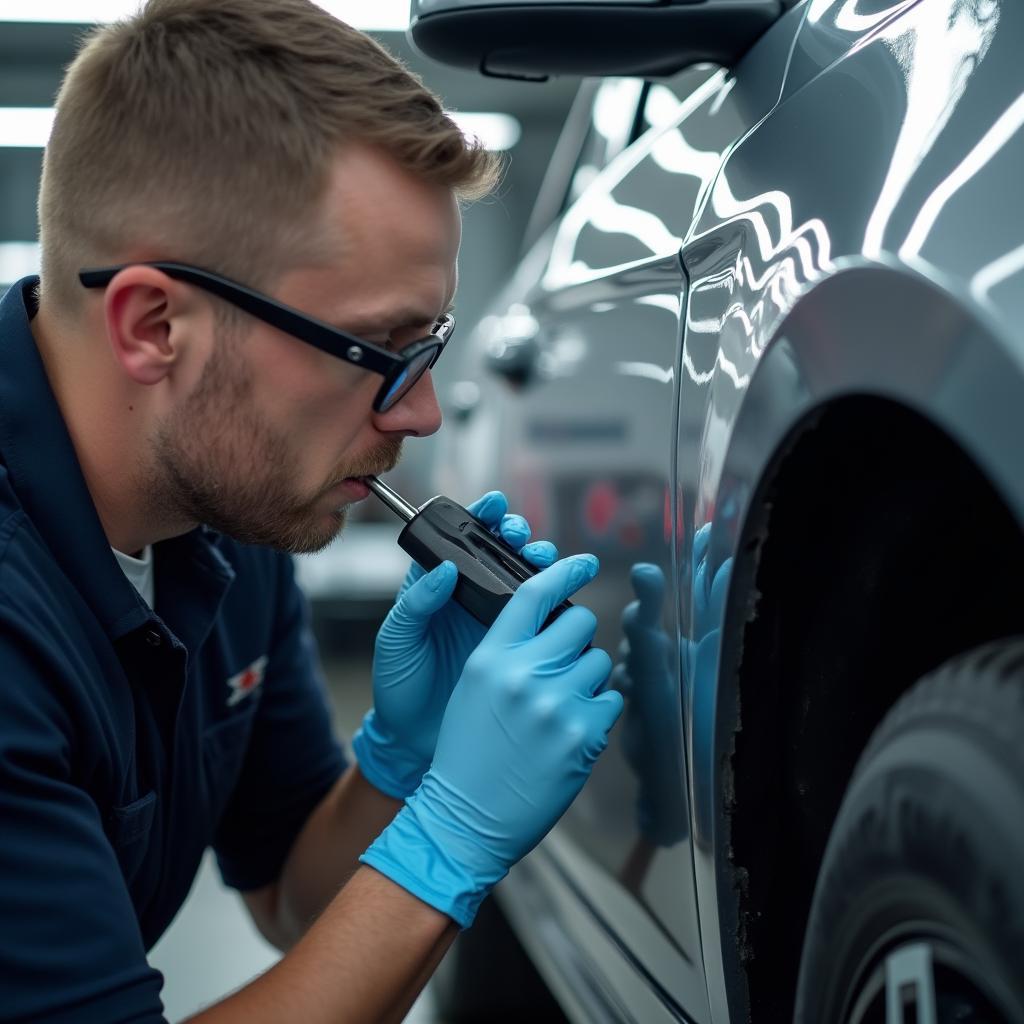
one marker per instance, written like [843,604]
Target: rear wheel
[918,913]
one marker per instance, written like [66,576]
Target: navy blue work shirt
[131,740]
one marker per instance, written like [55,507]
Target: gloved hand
[524,726]
[420,652]
[651,732]
[709,596]
[645,676]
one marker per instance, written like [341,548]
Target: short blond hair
[204,131]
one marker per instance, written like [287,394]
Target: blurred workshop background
[212,948]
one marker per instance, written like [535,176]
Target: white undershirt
[139,572]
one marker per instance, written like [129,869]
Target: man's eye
[405,336]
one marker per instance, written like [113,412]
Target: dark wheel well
[875,551]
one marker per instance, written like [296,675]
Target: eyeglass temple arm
[324,337]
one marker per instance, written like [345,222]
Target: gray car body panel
[844,209]
[888,263]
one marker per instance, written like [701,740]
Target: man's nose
[416,414]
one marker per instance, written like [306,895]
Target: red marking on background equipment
[599,508]
[630,534]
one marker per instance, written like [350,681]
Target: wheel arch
[883,412]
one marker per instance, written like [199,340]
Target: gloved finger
[620,680]
[636,627]
[590,672]
[602,713]
[719,589]
[540,553]
[490,508]
[649,584]
[610,703]
[630,614]
[534,601]
[701,593]
[561,642]
[514,530]
[427,595]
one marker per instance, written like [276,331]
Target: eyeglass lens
[417,366]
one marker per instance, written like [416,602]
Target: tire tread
[962,855]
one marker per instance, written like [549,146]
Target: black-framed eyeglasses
[401,370]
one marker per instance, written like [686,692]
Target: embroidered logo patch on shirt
[246,681]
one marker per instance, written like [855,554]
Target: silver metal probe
[392,499]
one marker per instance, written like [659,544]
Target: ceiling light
[496,131]
[18,260]
[25,126]
[369,15]
[30,126]
[70,11]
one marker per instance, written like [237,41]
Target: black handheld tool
[489,570]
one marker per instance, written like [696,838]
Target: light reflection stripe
[996,272]
[1005,127]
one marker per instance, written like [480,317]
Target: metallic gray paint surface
[885,262]
[848,208]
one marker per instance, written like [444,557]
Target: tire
[920,897]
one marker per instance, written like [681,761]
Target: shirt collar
[47,478]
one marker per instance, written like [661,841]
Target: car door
[578,409]
[578,368]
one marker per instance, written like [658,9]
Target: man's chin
[310,536]
[321,536]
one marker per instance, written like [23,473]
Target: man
[162,428]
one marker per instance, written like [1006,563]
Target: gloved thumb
[427,595]
[649,585]
[621,680]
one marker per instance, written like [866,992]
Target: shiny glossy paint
[839,214]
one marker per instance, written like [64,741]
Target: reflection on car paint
[611,120]
[936,51]
[604,210]
[920,160]
[828,243]
[624,324]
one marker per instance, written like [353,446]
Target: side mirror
[533,39]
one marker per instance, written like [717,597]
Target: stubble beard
[215,461]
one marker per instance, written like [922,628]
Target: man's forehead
[391,243]
[374,205]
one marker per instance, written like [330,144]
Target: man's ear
[143,309]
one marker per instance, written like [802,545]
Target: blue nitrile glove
[709,596]
[420,652]
[651,725]
[524,726]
